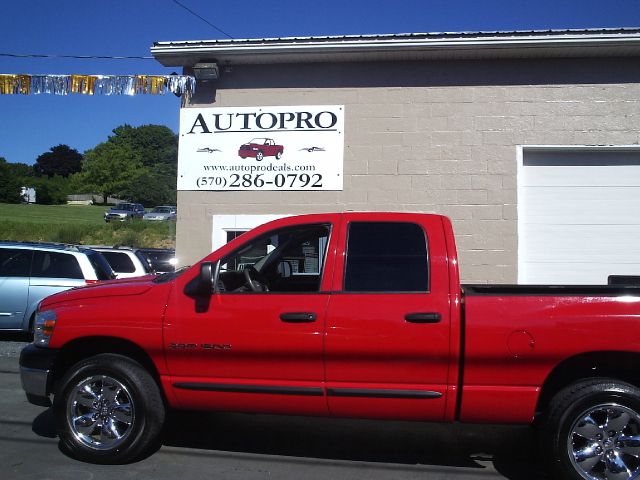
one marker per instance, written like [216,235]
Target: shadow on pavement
[15,337]
[511,450]
[44,424]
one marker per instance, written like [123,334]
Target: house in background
[28,194]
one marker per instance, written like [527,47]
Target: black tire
[96,392]
[278,155]
[259,155]
[586,431]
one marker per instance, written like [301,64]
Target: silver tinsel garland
[96,84]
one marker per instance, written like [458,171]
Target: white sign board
[261,148]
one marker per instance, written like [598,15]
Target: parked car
[30,272]
[123,212]
[162,213]
[344,315]
[162,260]
[260,148]
[126,262]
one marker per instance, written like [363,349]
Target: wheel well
[616,365]
[87,347]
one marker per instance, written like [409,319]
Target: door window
[386,257]
[55,265]
[15,262]
[286,260]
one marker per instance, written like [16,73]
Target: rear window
[100,265]
[386,257]
[119,261]
[15,262]
[55,265]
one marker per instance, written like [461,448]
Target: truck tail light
[90,282]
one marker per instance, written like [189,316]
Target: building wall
[436,137]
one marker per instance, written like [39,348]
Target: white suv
[125,262]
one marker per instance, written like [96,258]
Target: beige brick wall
[446,149]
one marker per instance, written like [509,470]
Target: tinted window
[55,265]
[119,261]
[100,266]
[386,257]
[145,261]
[15,262]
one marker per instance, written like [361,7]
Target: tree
[59,160]
[156,144]
[23,172]
[110,169]
[10,185]
[51,191]
[137,163]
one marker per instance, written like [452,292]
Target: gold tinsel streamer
[11,84]
[7,83]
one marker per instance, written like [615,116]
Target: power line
[81,57]
[202,18]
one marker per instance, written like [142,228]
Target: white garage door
[578,215]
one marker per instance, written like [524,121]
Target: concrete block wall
[448,149]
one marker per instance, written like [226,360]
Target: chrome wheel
[604,443]
[100,412]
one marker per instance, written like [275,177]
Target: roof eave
[355,49]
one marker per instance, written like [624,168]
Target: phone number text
[286,181]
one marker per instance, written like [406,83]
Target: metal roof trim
[236,49]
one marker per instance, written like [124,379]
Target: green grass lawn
[80,224]
[52,214]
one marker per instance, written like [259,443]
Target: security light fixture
[206,71]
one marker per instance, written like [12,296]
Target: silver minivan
[30,272]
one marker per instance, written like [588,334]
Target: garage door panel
[573,243]
[575,273]
[576,176]
[613,205]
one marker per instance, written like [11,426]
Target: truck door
[256,343]
[387,336]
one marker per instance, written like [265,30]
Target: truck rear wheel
[592,431]
[109,410]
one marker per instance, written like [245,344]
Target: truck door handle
[423,317]
[298,317]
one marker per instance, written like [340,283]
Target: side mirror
[284,269]
[203,283]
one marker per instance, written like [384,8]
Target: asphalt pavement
[247,447]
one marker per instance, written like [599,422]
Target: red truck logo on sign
[259,148]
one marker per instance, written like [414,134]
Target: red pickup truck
[343,315]
[259,148]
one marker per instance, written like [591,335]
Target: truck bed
[555,290]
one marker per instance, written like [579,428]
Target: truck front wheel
[592,431]
[108,410]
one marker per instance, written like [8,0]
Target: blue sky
[32,124]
